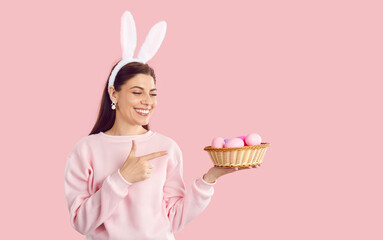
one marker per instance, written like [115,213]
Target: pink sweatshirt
[103,205]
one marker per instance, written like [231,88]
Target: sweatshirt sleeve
[183,206]
[88,211]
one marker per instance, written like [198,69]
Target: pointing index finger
[151,156]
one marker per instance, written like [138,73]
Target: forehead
[141,80]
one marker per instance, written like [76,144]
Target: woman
[124,181]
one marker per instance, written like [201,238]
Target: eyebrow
[142,88]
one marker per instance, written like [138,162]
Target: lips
[142,111]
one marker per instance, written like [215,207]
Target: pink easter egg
[243,139]
[217,142]
[234,142]
[227,139]
[253,139]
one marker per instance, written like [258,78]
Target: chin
[142,123]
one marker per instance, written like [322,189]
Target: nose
[147,99]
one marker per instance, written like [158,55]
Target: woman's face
[136,100]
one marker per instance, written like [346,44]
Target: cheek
[127,106]
[130,103]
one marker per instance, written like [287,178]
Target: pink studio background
[306,75]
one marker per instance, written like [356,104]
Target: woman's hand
[137,169]
[215,172]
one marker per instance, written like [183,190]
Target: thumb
[133,149]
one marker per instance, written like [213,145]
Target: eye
[154,94]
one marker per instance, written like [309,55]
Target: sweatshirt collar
[127,137]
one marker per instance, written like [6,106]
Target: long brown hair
[106,115]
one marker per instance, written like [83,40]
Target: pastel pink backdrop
[305,75]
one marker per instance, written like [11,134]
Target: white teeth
[142,111]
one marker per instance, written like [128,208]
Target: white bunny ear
[152,42]
[128,35]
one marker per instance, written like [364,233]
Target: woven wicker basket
[237,157]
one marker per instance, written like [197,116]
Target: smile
[142,112]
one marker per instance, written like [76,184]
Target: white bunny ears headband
[148,49]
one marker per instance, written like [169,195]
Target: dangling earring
[113,106]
